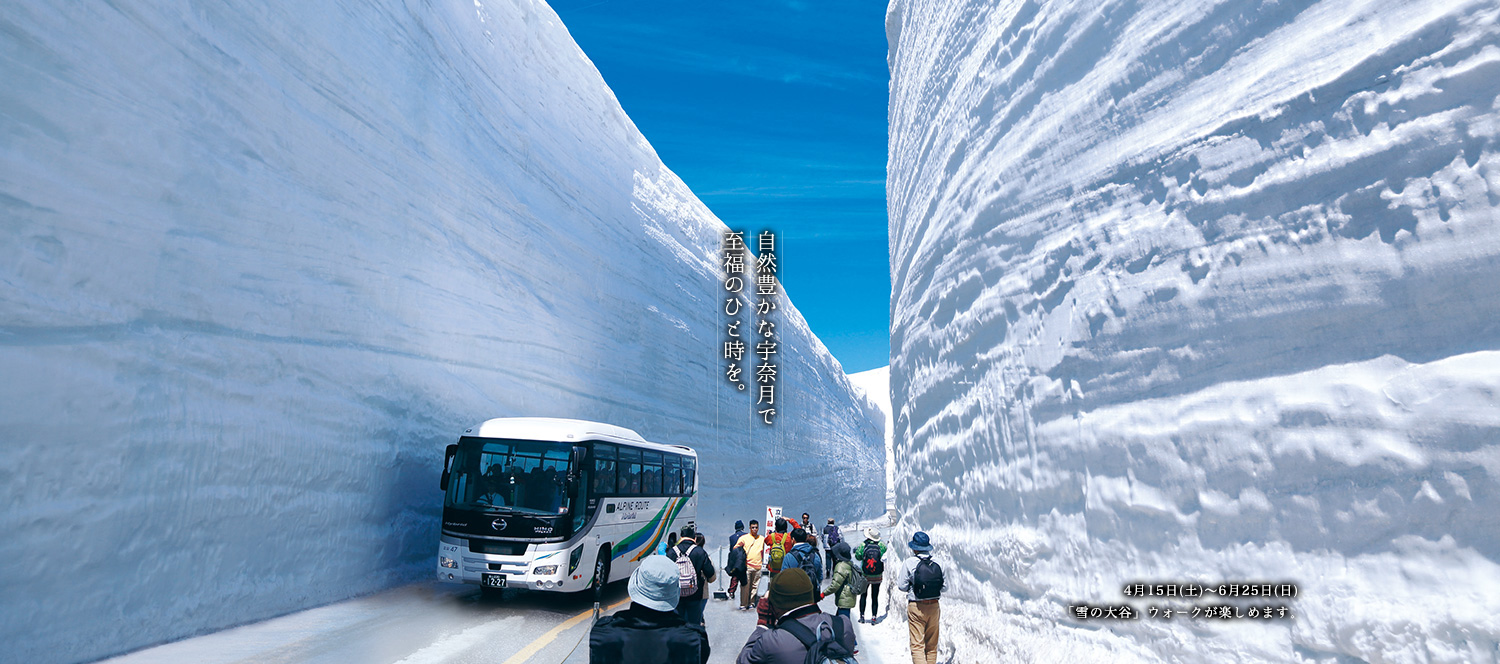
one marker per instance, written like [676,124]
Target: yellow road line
[536,646]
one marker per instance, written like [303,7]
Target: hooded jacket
[843,572]
[808,552]
[775,646]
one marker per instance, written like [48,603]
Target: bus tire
[601,572]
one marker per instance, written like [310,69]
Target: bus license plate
[493,580]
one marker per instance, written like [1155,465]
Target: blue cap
[920,542]
[739,525]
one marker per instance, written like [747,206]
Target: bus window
[517,475]
[630,471]
[672,476]
[689,474]
[651,473]
[604,469]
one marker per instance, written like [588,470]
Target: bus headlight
[544,570]
[445,561]
[573,559]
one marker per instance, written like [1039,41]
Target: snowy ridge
[260,263]
[1201,291]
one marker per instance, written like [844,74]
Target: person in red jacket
[778,544]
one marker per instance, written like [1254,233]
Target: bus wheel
[601,573]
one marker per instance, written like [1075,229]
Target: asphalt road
[432,623]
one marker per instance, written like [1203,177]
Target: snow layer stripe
[1200,290]
[297,252]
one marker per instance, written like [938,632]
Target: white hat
[654,584]
[873,533]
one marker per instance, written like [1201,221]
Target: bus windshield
[511,476]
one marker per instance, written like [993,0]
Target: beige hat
[873,533]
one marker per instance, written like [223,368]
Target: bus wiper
[497,509]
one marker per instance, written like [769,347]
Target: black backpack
[870,562]
[927,579]
[821,649]
[805,561]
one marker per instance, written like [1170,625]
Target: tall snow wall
[261,262]
[1200,292]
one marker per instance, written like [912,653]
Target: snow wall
[260,263]
[1200,291]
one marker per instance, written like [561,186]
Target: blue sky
[774,113]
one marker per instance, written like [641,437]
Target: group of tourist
[665,624]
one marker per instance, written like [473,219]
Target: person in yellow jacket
[755,547]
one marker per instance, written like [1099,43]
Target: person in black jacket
[734,580]
[690,607]
[650,631]
[736,567]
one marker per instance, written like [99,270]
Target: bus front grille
[497,548]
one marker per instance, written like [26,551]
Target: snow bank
[876,384]
[261,262]
[1201,292]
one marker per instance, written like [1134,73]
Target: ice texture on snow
[1201,291]
[876,384]
[261,262]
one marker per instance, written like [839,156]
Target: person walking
[734,580]
[664,547]
[695,570]
[870,556]
[754,547]
[922,580]
[650,631]
[844,583]
[797,626]
[739,531]
[805,556]
[735,567]
[777,544]
[831,537]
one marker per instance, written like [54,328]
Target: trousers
[748,588]
[873,592]
[922,623]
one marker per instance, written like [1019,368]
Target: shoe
[861,620]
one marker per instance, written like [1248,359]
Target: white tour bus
[554,504]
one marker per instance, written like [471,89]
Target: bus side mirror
[447,465]
[575,466]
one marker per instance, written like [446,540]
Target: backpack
[807,563]
[832,535]
[821,649]
[858,584]
[870,562]
[687,574]
[778,551]
[927,579]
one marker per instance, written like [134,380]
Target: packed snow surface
[1200,291]
[261,261]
